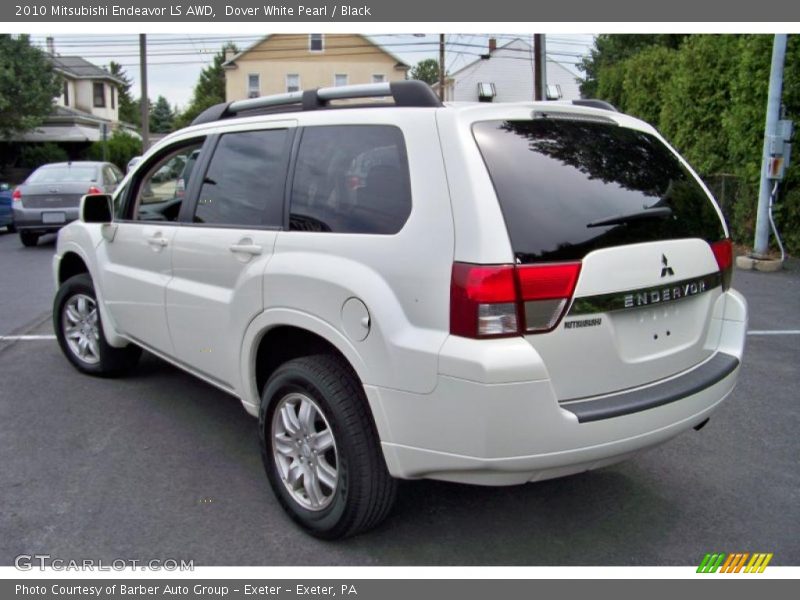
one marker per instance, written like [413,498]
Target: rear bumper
[33,219]
[511,432]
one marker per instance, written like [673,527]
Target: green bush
[122,147]
[33,155]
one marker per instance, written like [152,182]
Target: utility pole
[145,104]
[539,68]
[441,67]
[760,246]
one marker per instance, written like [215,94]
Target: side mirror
[96,208]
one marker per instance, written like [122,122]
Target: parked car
[6,214]
[481,293]
[49,197]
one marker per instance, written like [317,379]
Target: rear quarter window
[556,179]
[351,179]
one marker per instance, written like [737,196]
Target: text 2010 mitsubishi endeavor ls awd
[481,293]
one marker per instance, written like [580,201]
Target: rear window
[65,173]
[559,180]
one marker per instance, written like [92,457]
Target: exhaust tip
[701,424]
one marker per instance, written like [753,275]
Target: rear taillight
[546,291]
[723,252]
[16,196]
[504,300]
[94,190]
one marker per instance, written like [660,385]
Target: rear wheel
[28,238]
[320,448]
[80,332]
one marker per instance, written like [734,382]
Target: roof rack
[405,93]
[591,102]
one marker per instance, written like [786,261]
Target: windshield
[568,187]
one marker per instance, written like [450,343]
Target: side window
[109,178]
[245,180]
[351,179]
[160,192]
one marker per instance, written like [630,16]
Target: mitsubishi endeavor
[397,289]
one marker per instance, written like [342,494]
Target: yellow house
[282,63]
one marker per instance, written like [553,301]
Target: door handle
[157,241]
[252,249]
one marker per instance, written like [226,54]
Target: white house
[87,105]
[505,74]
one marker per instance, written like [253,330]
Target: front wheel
[79,330]
[320,448]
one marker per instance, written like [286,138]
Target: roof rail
[591,102]
[405,93]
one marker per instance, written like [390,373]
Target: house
[505,74]
[88,104]
[282,63]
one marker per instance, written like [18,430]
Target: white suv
[480,293]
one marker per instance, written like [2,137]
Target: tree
[28,85]
[122,147]
[128,108]
[162,116]
[610,50]
[210,88]
[426,70]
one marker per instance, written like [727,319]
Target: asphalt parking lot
[160,465]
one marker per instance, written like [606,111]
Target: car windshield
[64,173]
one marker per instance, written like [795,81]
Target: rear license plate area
[54,217]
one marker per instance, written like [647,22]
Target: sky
[176,60]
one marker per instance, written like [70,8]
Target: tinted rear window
[556,177]
[59,174]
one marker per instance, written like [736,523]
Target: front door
[137,252]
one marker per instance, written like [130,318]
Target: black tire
[11,228]
[365,492]
[110,361]
[28,238]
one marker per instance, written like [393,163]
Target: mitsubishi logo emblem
[666,269]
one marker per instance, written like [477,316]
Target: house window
[554,91]
[99,95]
[253,85]
[66,94]
[111,93]
[293,82]
[378,78]
[315,42]
[486,92]
[340,79]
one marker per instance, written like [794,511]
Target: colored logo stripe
[735,562]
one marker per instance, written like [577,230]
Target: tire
[11,228]
[85,346]
[28,238]
[324,395]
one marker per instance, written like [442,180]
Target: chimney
[51,45]
[229,54]
[492,44]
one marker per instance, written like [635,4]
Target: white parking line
[774,332]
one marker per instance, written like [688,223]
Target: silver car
[49,198]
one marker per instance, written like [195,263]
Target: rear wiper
[658,212]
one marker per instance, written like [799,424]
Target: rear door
[221,252]
[619,202]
